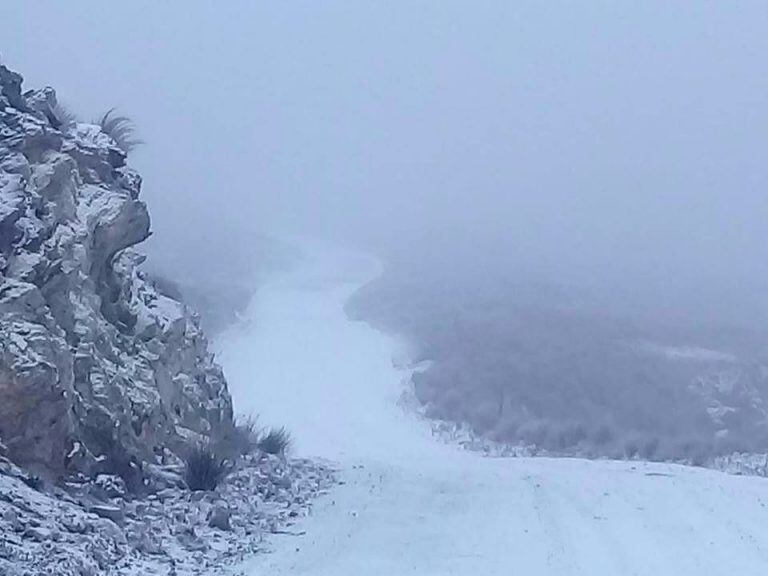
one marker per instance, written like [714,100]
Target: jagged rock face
[98,370]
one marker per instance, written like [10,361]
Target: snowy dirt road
[412,505]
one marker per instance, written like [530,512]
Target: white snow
[412,505]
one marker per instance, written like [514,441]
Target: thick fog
[612,144]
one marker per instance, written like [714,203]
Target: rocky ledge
[91,527]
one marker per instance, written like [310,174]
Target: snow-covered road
[411,505]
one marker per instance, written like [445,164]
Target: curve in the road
[412,505]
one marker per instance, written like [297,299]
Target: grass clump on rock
[121,129]
[246,437]
[241,438]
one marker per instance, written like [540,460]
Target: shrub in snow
[276,441]
[203,469]
[243,438]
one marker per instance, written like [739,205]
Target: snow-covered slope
[411,505]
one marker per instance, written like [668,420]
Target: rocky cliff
[99,370]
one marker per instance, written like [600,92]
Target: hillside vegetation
[538,366]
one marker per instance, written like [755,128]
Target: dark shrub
[203,470]
[242,438]
[129,469]
[276,441]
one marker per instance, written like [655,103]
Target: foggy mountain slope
[412,505]
[566,371]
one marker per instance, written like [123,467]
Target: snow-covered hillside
[412,505]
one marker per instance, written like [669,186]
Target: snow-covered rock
[81,532]
[99,372]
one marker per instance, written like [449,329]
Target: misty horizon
[435,287]
[578,142]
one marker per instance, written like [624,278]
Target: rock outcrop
[99,370]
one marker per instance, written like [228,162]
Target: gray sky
[615,139]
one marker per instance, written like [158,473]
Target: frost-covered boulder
[99,372]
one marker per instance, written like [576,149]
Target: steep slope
[411,505]
[99,371]
[567,370]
